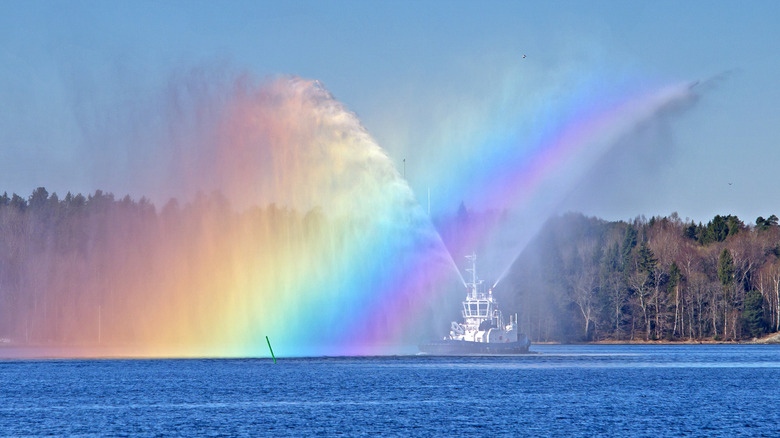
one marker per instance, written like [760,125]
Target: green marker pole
[269,347]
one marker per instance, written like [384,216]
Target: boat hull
[451,347]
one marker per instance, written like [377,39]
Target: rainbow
[311,238]
[516,179]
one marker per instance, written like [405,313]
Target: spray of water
[291,223]
[574,150]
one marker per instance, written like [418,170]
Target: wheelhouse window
[476,309]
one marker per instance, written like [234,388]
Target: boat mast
[473,259]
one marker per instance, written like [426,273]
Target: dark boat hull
[449,347]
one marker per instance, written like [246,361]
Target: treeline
[586,279]
[56,272]
[97,269]
[85,269]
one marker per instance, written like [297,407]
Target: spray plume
[310,236]
[528,177]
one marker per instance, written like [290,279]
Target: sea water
[592,390]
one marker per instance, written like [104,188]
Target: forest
[584,279]
[95,269]
[82,261]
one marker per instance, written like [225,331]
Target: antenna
[429,201]
[473,259]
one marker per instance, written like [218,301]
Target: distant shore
[773,338]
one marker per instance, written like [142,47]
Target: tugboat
[483,330]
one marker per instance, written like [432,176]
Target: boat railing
[479,296]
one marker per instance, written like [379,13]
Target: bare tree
[585,281]
[639,283]
[585,287]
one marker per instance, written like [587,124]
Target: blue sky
[77,80]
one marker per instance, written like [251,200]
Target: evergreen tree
[734,225]
[753,313]
[725,268]
[716,231]
[674,278]
[646,259]
[629,242]
[18,202]
[726,277]
[38,198]
[690,231]
[765,224]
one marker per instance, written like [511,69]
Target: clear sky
[78,79]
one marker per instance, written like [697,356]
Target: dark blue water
[632,391]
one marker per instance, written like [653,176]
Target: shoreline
[770,339]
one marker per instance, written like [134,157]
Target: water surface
[692,390]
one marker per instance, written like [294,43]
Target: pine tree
[725,268]
[629,242]
[726,277]
[753,313]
